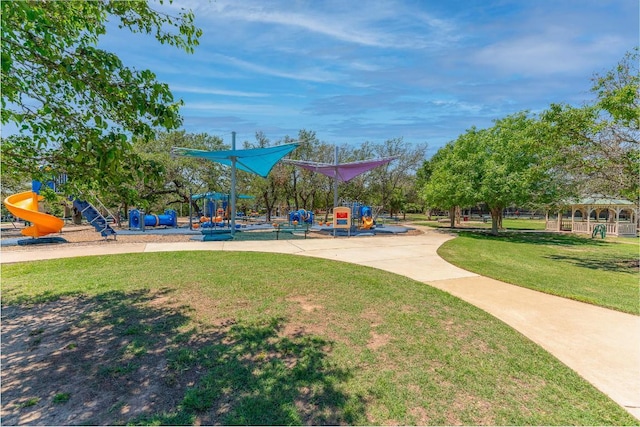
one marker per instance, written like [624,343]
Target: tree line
[287,187]
[81,111]
[545,159]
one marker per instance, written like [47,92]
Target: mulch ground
[79,235]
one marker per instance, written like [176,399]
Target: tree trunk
[268,207]
[496,220]
[77,216]
[452,216]
[195,208]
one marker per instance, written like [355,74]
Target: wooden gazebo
[619,216]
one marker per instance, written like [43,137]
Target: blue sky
[355,71]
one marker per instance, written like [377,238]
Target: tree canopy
[77,107]
[601,141]
[507,164]
[546,159]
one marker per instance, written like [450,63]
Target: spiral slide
[25,206]
[367,222]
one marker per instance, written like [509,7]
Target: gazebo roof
[601,201]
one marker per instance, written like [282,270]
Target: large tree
[77,106]
[180,177]
[509,163]
[600,142]
[389,181]
[516,166]
[453,176]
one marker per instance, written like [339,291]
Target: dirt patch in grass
[139,358]
[377,340]
[94,352]
[305,304]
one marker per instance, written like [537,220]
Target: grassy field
[603,273]
[251,338]
[507,223]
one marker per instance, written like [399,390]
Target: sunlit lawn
[279,339]
[599,272]
[507,223]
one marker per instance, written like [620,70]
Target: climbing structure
[95,218]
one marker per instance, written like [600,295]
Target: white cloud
[356,23]
[211,91]
[544,54]
[240,108]
[309,74]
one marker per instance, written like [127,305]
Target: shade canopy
[343,172]
[258,161]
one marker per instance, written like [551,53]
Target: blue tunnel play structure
[301,216]
[364,211]
[138,220]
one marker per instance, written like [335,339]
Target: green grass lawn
[507,223]
[252,338]
[603,273]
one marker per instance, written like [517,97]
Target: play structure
[94,218]
[344,172]
[300,216]
[362,216]
[216,224]
[26,206]
[257,161]
[340,172]
[366,217]
[138,220]
[217,210]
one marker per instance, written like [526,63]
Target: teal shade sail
[258,161]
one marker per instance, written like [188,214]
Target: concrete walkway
[601,345]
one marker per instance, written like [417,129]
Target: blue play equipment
[358,210]
[215,208]
[210,224]
[364,211]
[301,216]
[138,220]
[95,218]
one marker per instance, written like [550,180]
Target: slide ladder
[95,218]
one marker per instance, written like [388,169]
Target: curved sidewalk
[601,345]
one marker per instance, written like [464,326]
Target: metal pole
[335,187]
[190,211]
[335,178]
[233,184]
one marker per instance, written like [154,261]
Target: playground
[32,226]
[221,220]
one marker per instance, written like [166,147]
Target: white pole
[335,178]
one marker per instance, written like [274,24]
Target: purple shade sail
[343,171]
